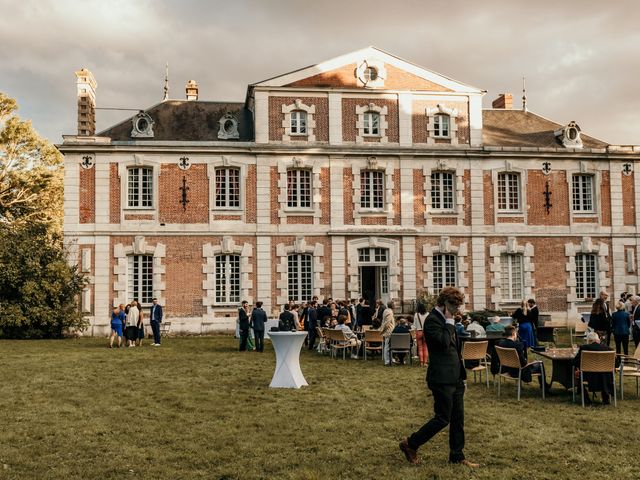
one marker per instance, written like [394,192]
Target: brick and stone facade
[471,197]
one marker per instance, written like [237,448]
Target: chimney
[87,86]
[504,101]
[192,90]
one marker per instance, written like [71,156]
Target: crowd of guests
[621,324]
[127,322]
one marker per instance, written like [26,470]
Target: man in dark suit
[324,311]
[286,322]
[156,320]
[243,321]
[312,324]
[532,316]
[445,378]
[597,382]
[257,322]
[635,319]
[512,342]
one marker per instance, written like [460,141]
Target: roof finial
[524,94]
[166,81]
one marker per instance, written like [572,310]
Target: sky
[579,57]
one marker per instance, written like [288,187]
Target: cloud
[578,58]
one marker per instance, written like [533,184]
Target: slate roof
[187,120]
[516,128]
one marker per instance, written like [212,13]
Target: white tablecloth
[287,346]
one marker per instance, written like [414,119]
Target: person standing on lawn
[118,319]
[243,322]
[445,378]
[156,320]
[388,324]
[257,323]
[133,316]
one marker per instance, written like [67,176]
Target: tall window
[441,126]
[586,283]
[227,278]
[298,122]
[140,187]
[442,191]
[509,192]
[511,277]
[228,187]
[300,277]
[582,188]
[371,123]
[140,278]
[444,271]
[372,189]
[298,188]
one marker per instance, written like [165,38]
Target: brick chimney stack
[504,101]
[87,86]
[192,90]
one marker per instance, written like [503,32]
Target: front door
[368,290]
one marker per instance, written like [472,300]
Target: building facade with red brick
[365,174]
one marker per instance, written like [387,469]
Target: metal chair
[165,328]
[629,367]
[579,329]
[598,362]
[338,342]
[372,337]
[509,358]
[323,345]
[400,343]
[477,351]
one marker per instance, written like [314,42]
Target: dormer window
[569,135]
[441,126]
[142,126]
[298,122]
[371,123]
[370,74]
[228,127]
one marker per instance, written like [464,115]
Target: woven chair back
[400,341]
[508,357]
[474,350]
[597,362]
[372,336]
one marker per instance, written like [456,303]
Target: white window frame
[508,192]
[287,122]
[584,194]
[228,281]
[228,197]
[583,289]
[368,109]
[441,128]
[509,264]
[439,191]
[300,277]
[298,123]
[368,191]
[434,134]
[143,173]
[371,124]
[302,197]
[442,264]
[136,283]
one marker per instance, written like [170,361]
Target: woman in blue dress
[525,328]
[117,322]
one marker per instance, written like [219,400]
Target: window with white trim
[140,187]
[586,276]
[442,190]
[371,123]
[373,255]
[298,188]
[582,192]
[372,189]
[300,277]
[508,192]
[298,122]
[227,188]
[441,126]
[444,271]
[227,279]
[511,277]
[140,278]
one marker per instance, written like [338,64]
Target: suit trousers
[312,338]
[259,338]
[244,336]
[448,408]
[155,328]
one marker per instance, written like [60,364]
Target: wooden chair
[477,351]
[165,328]
[579,330]
[338,342]
[372,337]
[364,328]
[509,358]
[629,367]
[598,362]
[400,343]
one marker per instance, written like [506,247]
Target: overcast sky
[580,57]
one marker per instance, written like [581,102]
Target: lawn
[197,409]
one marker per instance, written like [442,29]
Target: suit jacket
[258,319]
[445,362]
[286,322]
[156,315]
[312,319]
[388,323]
[532,316]
[243,319]
[522,355]
[323,311]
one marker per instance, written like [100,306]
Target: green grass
[197,409]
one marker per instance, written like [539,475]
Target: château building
[362,175]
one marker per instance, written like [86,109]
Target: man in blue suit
[156,320]
[257,322]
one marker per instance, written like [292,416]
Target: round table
[287,346]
